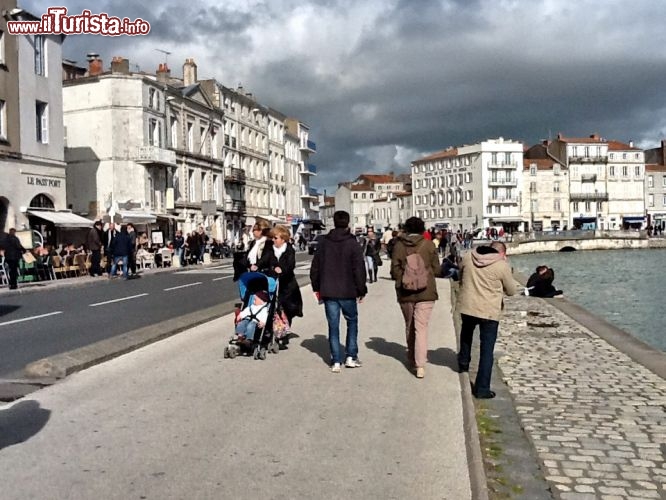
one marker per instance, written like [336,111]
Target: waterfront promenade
[175,420]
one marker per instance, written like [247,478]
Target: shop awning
[62,219]
[507,218]
[633,219]
[136,217]
[316,224]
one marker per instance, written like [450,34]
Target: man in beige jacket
[485,278]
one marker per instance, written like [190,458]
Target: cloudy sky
[383,82]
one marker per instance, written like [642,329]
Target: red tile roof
[619,146]
[593,139]
[447,153]
[541,164]
[377,178]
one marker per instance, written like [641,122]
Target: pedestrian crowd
[344,265]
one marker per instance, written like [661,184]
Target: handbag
[28,258]
[281,327]
[378,260]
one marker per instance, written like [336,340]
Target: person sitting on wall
[540,283]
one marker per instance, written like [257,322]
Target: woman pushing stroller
[278,260]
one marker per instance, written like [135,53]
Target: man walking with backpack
[337,275]
[414,265]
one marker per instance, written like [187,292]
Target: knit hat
[263,295]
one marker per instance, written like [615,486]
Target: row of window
[41,121]
[442,213]
[441,198]
[443,181]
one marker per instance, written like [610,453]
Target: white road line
[182,286]
[222,278]
[117,300]
[30,318]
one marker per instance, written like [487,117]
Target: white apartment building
[277,165]
[309,210]
[32,166]
[626,187]
[471,186]
[545,191]
[606,182]
[293,178]
[655,186]
[144,149]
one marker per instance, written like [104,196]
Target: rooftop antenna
[166,54]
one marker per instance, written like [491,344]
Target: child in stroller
[254,318]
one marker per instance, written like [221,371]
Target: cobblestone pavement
[596,418]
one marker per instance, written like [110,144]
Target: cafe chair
[167,257]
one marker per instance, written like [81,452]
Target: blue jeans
[246,327]
[488,335]
[114,266]
[350,312]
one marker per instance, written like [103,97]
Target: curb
[64,364]
[477,472]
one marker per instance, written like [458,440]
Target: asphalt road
[56,320]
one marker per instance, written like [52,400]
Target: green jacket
[428,253]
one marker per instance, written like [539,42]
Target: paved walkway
[176,420]
[596,418]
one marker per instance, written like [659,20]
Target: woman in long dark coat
[280,261]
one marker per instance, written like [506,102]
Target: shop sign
[33,180]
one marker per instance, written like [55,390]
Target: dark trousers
[487,336]
[95,259]
[131,262]
[13,269]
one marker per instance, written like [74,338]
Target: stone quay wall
[596,417]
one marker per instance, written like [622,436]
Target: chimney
[163,73]
[596,137]
[631,144]
[95,66]
[189,72]
[663,151]
[120,65]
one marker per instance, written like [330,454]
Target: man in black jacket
[337,275]
[121,247]
[13,253]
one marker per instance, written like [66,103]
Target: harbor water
[625,287]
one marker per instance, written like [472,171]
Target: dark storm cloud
[383,82]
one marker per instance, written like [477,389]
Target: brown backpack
[415,277]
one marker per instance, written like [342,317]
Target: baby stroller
[249,284]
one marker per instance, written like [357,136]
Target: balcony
[234,206]
[153,154]
[309,169]
[503,182]
[588,177]
[310,194]
[508,200]
[588,196]
[233,174]
[308,146]
[503,165]
[588,159]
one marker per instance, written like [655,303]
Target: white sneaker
[352,363]
[335,368]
